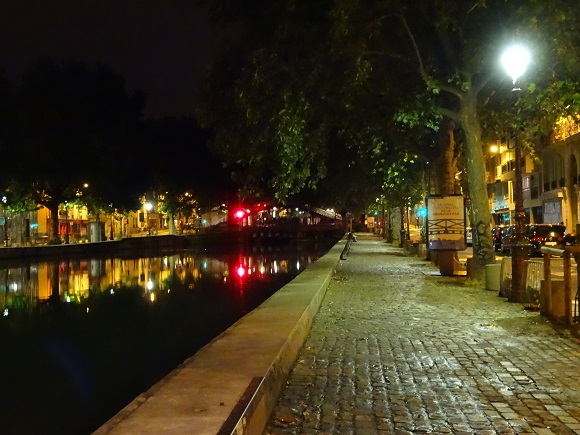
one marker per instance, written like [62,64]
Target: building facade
[551,183]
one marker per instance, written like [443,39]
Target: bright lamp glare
[515,61]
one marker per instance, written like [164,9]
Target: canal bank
[234,381]
[121,247]
[209,241]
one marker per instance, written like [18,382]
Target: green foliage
[303,82]
[300,93]
[403,181]
[539,110]
[549,88]
[17,198]
[17,304]
[173,204]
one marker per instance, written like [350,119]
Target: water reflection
[81,338]
[72,280]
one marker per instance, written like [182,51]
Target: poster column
[446,229]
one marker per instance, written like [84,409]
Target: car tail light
[538,239]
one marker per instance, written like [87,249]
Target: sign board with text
[446,223]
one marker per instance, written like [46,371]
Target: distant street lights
[515,61]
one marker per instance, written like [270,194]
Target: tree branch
[430,81]
[449,114]
[450,89]
[422,71]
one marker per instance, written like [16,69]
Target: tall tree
[305,67]
[76,126]
[290,108]
[456,48]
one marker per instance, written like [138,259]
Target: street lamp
[515,61]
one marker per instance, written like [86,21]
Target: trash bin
[492,276]
[556,307]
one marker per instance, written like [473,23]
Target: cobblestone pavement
[398,349]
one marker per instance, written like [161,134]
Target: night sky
[159,46]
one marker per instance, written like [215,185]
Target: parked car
[505,239]
[538,235]
[545,235]
[496,236]
[570,239]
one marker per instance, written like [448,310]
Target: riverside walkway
[398,349]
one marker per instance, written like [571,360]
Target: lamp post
[515,61]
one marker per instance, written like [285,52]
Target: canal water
[80,338]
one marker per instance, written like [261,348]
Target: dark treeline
[73,133]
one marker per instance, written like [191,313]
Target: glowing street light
[515,61]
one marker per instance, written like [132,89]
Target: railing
[534,270]
[571,308]
[351,238]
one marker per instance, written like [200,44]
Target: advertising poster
[446,223]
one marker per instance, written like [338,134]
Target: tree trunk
[402,231]
[172,229]
[446,163]
[483,252]
[389,225]
[53,236]
[384,223]
[112,229]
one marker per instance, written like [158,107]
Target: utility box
[493,277]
